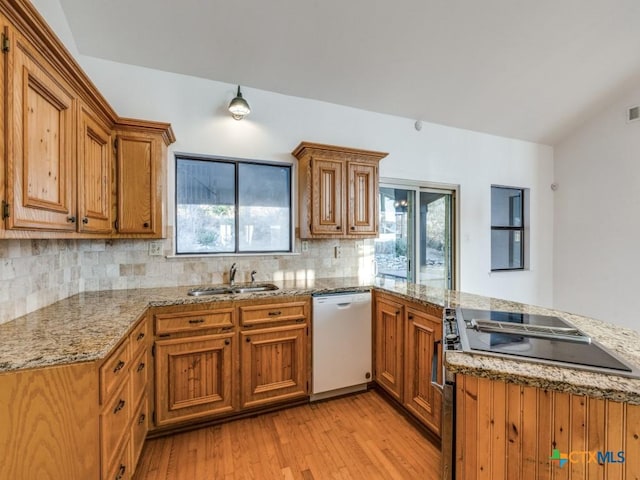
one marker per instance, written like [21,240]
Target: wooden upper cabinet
[337,191]
[95,164]
[141,174]
[40,190]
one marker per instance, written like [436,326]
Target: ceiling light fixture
[239,107]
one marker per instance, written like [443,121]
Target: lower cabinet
[408,356]
[194,377]
[273,365]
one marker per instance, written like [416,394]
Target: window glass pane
[506,207]
[435,239]
[506,249]
[264,202]
[394,251]
[205,206]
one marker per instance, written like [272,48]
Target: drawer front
[119,469]
[140,337]
[192,321]
[114,371]
[114,423]
[139,428]
[139,375]
[274,312]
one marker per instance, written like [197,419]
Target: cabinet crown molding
[309,148]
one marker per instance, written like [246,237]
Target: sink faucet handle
[253,276]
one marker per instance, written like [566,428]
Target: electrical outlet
[337,250]
[305,245]
[155,249]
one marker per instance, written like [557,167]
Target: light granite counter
[87,326]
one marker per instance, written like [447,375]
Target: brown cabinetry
[141,175]
[389,331]
[40,183]
[95,166]
[408,355]
[337,191]
[422,365]
[59,179]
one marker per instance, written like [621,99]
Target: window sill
[219,255]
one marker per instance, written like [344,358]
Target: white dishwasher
[341,343]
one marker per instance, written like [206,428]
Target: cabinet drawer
[119,469]
[274,312]
[114,423]
[139,431]
[139,376]
[192,321]
[114,371]
[139,337]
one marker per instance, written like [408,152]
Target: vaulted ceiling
[527,69]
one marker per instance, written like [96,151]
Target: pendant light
[239,107]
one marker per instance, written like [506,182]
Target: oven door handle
[436,366]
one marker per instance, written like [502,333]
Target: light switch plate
[338,251]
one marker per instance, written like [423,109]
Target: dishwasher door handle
[343,305]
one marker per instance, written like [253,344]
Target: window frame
[236,162]
[520,229]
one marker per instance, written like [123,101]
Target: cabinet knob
[248,340]
[85,220]
[338,227]
[71,219]
[140,367]
[141,419]
[120,406]
[227,342]
[397,312]
[146,225]
[353,228]
[120,474]
[118,367]
[140,336]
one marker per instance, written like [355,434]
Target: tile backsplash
[36,273]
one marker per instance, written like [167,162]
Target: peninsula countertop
[87,326]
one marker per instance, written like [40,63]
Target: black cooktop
[585,354]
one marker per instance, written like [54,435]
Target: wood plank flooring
[350,438]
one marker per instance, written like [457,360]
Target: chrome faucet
[253,276]
[232,274]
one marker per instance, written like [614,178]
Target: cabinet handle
[141,419]
[198,320]
[353,228]
[118,367]
[410,317]
[71,219]
[120,406]
[273,314]
[140,367]
[248,340]
[85,220]
[338,227]
[140,336]
[145,224]
[121,471]
[300,320]
[227,342]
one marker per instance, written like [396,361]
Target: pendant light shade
[239,107]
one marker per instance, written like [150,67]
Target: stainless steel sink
[232,289]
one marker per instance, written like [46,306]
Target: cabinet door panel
[326,208]
[194,377]
[137,184]
[94,171]
[422,344]
[363,198]
[40,151]
[273,363]
[389,345]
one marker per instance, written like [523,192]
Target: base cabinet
[389,344]
[273,365]
[408,356]
[196,377]
[506,431]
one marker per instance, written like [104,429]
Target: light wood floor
[356,437]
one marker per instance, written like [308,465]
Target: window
[507,228]
[232,206]
[417,232]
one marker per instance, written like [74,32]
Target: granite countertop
[87,326]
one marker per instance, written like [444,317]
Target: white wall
[597,207]
[197,110]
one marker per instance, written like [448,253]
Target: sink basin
[232,289]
